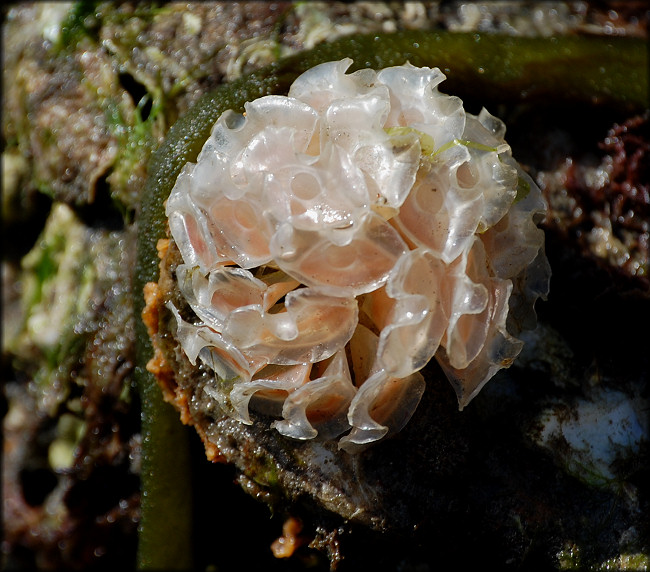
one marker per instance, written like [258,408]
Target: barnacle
[338,238]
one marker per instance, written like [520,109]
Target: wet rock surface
[488,473]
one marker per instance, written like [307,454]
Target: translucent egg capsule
[337,239]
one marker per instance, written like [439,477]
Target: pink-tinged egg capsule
[337,239]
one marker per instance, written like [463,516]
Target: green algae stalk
[589,69]
[165,532]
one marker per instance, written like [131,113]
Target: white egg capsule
[337,239]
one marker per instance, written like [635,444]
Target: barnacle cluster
[336,239]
